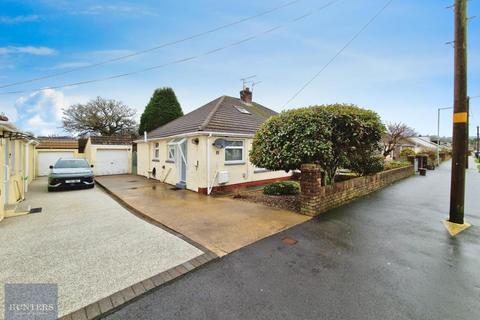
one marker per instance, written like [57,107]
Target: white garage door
[48,158]
[111,162]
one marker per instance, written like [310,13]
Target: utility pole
[467,151]
[457,188]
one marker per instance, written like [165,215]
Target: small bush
[389,165]
[282,188]
[407,152]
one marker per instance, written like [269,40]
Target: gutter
[200,133]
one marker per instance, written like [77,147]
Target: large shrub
[332,136]
[286,141]
[407,152]
[282,188]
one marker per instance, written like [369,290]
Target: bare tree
[396,132]
[99,117]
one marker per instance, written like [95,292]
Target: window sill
[155,160]
[170,161]
[234,163]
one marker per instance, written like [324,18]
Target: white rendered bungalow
[208,149]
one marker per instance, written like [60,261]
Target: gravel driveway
[85,242]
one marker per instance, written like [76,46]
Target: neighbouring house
[50,149]
[419,144]
[208,149]
[17,166]
[109,155]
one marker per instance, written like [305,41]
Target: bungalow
[17,166]
[208,149]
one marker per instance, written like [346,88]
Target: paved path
[222,225]
[387,256]
[85,242]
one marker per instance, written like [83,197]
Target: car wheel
[50,189]
[92,186]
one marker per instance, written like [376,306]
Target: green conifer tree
[162,108]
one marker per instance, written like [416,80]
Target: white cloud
[41,112]
[68,65]
[37,51]
[18,19]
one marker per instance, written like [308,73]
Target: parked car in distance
[70,174]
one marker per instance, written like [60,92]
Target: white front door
[46,159]
[111,161]
[182,161]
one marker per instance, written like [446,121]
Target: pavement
[85,242]
[386,256]
[222,225]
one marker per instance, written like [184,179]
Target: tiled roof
[115,140]
[223,114]
[57,143]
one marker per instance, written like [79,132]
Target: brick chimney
[246,95]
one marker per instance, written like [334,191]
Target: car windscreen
[63,164]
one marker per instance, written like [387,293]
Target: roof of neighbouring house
[224,114]
[114,140]
[57,143]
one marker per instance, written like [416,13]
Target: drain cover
[35,210]
[289,241]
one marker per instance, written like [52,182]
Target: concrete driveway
[386,256]
[85,242]
[222,225]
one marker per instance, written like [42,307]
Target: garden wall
[315,198]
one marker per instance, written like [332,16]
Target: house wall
[2,177]
[239,174]
[21,171]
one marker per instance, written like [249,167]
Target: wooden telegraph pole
[460,115]
[467,153]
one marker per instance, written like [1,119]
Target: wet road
[386,256]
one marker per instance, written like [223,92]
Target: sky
[401,66]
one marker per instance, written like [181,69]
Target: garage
[111,161]
[48,158]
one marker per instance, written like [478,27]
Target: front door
[182,152]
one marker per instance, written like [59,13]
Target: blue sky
[400,67]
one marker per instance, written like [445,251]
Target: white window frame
[242,147]
[156,151]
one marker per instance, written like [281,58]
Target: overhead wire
[178,61]
[161,46]
[339,52]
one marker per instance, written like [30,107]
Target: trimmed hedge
[389,165]
[282,188]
